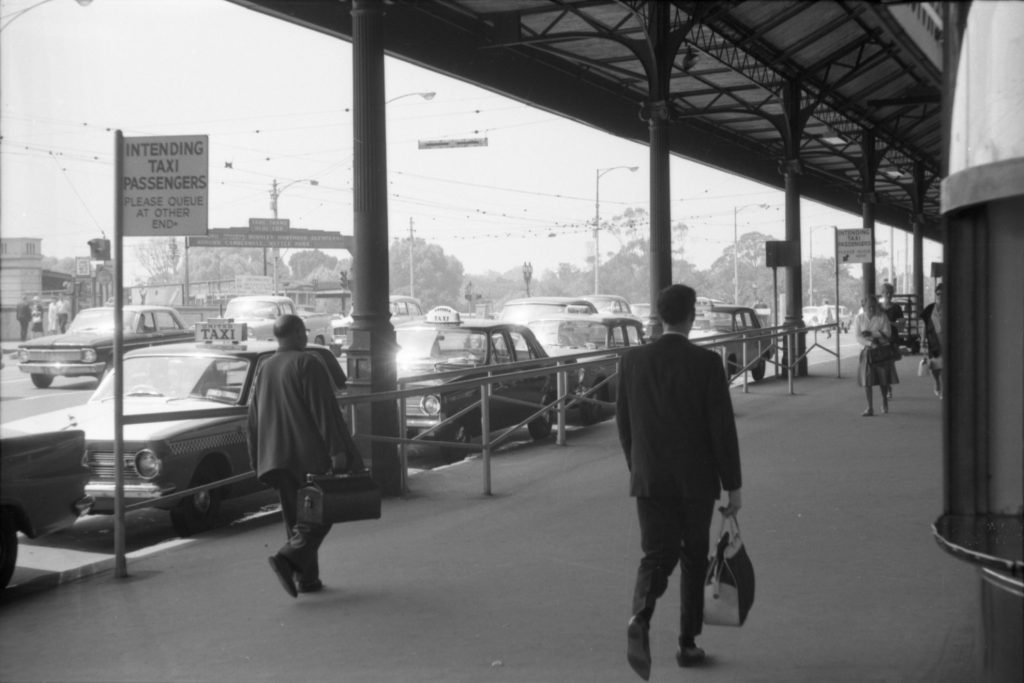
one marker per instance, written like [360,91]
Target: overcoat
[676,422]
[295,423]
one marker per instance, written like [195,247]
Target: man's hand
[735,503]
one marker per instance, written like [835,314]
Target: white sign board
[254,284]
[164,186]
[83,266]
[853,246]
[221,332]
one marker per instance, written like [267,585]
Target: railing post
[403,447]
[561,384]
[744,342]
[485,425]
[791,362]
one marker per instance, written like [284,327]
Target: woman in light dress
[871,328]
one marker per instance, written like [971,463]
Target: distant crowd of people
[37,320]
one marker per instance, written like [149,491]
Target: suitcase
[333,498]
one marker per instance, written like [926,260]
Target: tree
[302,263]
[437,277]
[755,278]
[161,258]
[218,263]
[59,265]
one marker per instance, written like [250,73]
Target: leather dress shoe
[638,647]
[690,655]
[283,571]
[309,586]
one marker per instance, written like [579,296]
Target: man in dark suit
[678,433]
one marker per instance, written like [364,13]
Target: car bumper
[103,494]
[63,369]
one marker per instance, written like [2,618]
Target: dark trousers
[674,530]
[24,329]
[303,540]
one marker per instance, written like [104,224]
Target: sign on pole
[853,246]
[164,185]
[83,266]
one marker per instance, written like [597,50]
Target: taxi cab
[718,319]
[444,342]
[216,372]
[571,334]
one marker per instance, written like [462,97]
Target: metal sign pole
[835,240]
[120,564]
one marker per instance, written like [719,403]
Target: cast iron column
[791,169]
[918,225]
[867,203]
[371,358]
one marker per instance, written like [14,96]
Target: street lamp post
[424,95]
[18,13]
[810,263]
[736,250]
[597,221]
[412,286]
[276,192]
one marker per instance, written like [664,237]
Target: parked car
[168,456]
[726,318]
[532,308]
[42,488]
[403,309]
[444,341]
[87,348]
[642,310]
[908,328]
[610,303]
[260,311]
[571,334]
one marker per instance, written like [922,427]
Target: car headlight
[431,404]
[88,355]
[147,463]
[23,355]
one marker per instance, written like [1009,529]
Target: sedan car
[87,347]
[165,456]
[42,488]
[403,309]
[571,334]
[532,308]
[443,342]
[727,319]
[610,303]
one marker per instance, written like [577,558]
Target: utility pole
[412,288]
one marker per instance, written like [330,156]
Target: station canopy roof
[587,60]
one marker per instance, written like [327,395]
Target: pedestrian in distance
[37,318]
[51,317]
[872,330]
[678,433]
[932,315]
[63,314]
[296,428]
[24,315]
[894,312]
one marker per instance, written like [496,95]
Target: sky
[276,102]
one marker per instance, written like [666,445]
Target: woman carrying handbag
[878,356]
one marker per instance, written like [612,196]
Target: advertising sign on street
[164,185]
[83,266]
[254,284]
[853,246]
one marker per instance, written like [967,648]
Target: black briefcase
[333,498]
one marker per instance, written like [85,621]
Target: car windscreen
[98,320]
[179,377]
[251,309]
[445,345]
[570,333]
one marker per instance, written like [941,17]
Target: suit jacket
[675,421]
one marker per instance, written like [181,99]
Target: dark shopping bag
[729,583]
[333,498]
[883,353]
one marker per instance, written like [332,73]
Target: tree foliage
[437,277]
[304,263]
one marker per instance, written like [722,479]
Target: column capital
[868,198]
[655,110]
[787,166]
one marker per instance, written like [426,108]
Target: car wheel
[199,512]
[757,372]
[42,381]
[8,547]
[540,427]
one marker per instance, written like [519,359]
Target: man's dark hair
[676,303]
[288,325]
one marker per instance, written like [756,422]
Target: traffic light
[99,249]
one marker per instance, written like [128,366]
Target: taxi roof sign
[221,332]
[444,315]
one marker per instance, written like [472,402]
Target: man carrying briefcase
[296,428]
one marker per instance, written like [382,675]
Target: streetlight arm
[597,220]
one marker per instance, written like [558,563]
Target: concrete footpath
[534,582]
